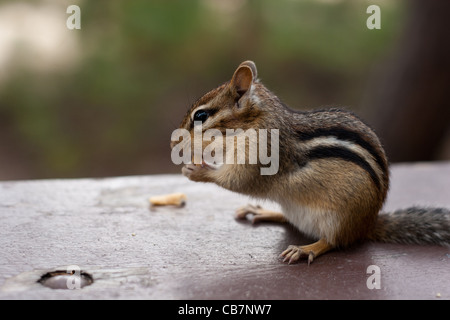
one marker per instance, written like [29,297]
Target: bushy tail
[414,225]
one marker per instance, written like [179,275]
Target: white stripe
[335,142]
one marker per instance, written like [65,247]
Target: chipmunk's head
[227,111]
[230,106]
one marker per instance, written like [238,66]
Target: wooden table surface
[106,228]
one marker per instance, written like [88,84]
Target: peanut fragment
[173,199]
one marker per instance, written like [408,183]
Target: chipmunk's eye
[201,115]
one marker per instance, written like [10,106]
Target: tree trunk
[408,101]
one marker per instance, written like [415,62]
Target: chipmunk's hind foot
[294,253]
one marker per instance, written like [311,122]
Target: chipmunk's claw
[294,253]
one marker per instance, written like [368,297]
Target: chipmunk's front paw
[197,172]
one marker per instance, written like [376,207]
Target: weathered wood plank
[106,227]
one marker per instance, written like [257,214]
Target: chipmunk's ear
[243,77]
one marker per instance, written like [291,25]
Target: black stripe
[344,154]
[347,135]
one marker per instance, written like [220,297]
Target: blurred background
[104,100]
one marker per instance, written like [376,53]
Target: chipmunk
[333,173]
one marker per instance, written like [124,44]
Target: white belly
[315,223]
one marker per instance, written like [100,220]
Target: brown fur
[333,174]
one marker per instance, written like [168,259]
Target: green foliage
[143,62]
